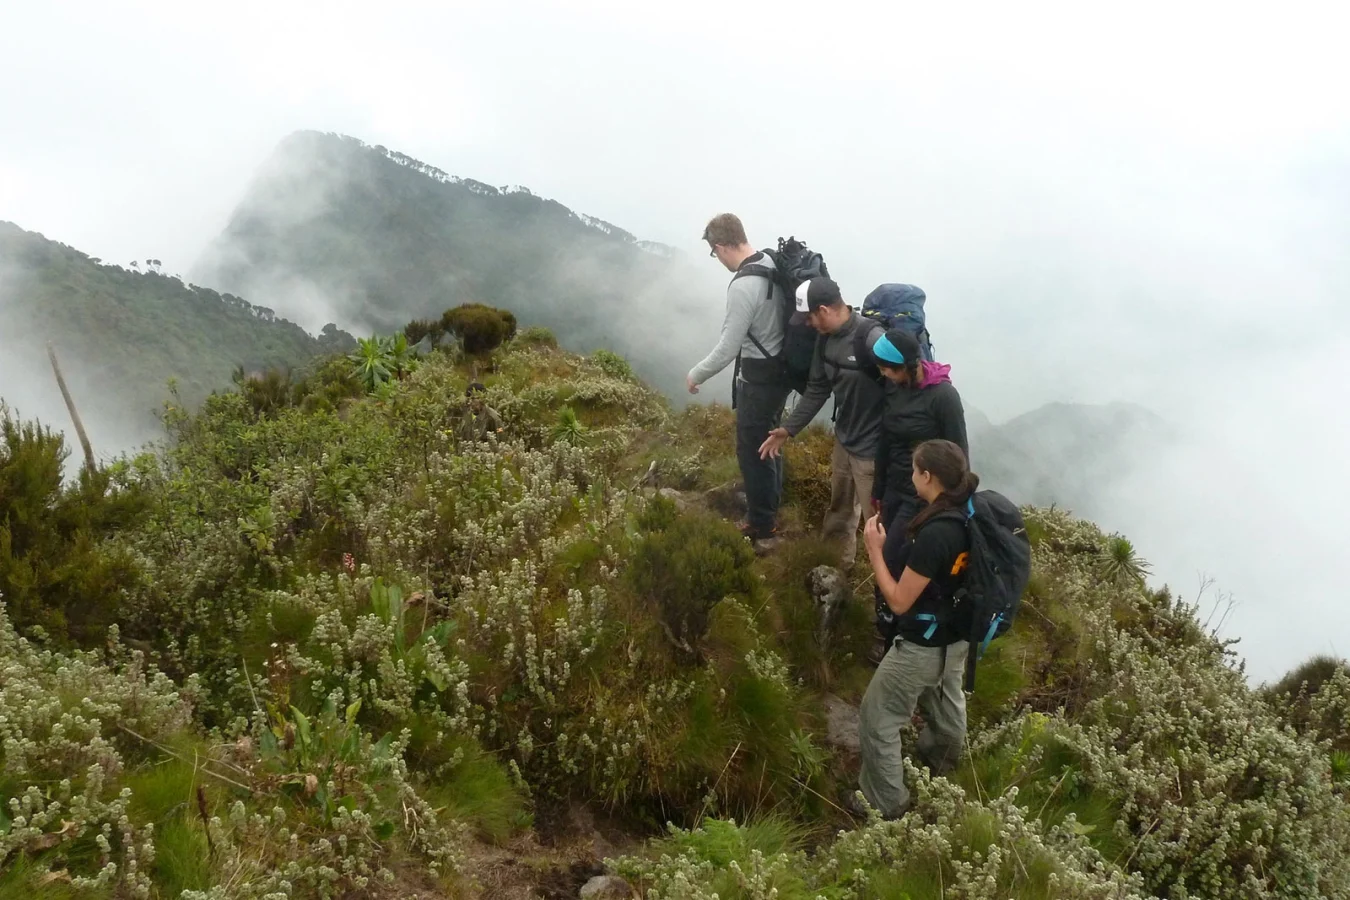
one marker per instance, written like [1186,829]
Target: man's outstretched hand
[689,383]
[773,444]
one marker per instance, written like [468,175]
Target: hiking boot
[756,534]
[856,806]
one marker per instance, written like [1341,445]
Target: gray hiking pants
[909,676]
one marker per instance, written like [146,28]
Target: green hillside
[122,335]
[401,644]
[380,239]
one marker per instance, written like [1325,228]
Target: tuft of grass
[20,879]
[1047,773]
[479,792]
[182,857]
[1003,674]
[166,793]
[721,843]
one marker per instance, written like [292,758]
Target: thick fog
[1150,207]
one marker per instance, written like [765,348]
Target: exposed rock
[765,546]
[727,500]
[830,588]
[606,887]
[841,724]
[675,497]
[681,501]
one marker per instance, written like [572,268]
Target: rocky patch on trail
[831,590]
[727,500]
[606,887]
[841,724]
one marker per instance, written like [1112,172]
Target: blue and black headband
[886,352]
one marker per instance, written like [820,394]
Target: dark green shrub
[539,336]
[54,571]
[509,318]
[806,474]
[612,364]
[479,328]
[420,328]
[267,391]
[330,382]
[685,569]
[1315,699]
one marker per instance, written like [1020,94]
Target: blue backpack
[900,306]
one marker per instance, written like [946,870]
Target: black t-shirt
[938,552]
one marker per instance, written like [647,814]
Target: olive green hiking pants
[909,676]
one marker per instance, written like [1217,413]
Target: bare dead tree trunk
[74,414]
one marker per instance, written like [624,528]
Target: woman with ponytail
[918,580]
[920,404]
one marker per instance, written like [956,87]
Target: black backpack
[998,569]
[793,263]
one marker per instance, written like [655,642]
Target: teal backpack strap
[932,624]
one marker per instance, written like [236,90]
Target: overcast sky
[1150,206]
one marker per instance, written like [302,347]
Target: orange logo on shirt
[961,562]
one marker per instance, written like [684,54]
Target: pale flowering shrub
[333,833]
[1211,795]
[387,634]
[948,844]
[66,721]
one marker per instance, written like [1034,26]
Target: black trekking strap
[735,377]
[973,640]
[968,683]
[736,372]
[768,295]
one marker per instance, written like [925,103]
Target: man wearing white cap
[843,366]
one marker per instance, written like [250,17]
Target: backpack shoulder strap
[770,275]
[863,352]
[755,269]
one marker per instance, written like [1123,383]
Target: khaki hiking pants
[850,489]
[909,676]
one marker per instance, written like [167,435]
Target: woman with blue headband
[921,404]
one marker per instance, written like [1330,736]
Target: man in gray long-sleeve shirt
[752,334]
[842,366]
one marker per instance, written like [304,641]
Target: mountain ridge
[122,334]
[331,226]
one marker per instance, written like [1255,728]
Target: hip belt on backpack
[761,371]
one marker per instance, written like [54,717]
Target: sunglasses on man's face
[712,249]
